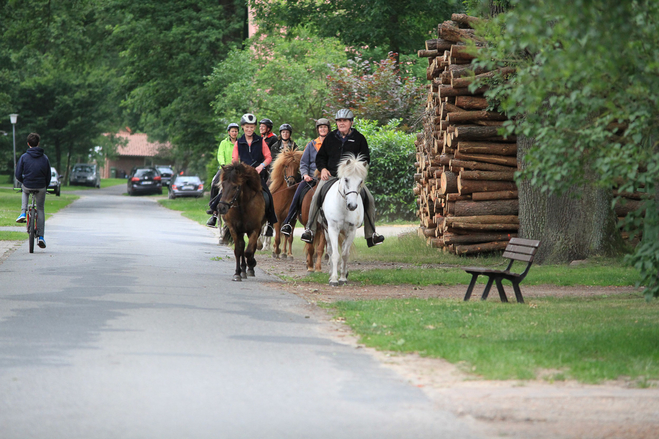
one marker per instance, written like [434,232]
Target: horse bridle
[345,194]
[233,200]
[288,178]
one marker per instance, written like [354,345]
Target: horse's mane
[285,158]
[351,165]
[242,175]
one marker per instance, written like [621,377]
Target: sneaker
[307,236]
[41,242]
[286,229]
[21,218]
[375,240]
[212,221]
[269,231]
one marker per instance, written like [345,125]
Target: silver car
[85,174]
[186,186]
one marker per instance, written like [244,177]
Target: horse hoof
[326,257]
[343,282]
[284,256]
[310,270]
[291,258]
[250,272]
[237,278]
[275,255]
[243,275]
[334,284]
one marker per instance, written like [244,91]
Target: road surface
[128,326]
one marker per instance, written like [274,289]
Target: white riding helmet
[248,118]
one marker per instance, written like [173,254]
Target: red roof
[139,146]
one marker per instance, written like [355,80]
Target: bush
[391,174]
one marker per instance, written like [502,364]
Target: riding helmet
[344,113]
[248,118]
[266,122]
[232,125]
[286,127]
[323,121]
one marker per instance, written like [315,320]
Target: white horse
[343,213]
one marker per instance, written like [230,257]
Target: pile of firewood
[467,196]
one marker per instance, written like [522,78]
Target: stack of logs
[467,196]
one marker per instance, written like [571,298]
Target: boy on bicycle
[33,172]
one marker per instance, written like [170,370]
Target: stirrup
[307,236]
[286,229]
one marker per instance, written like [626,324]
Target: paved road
[125,327]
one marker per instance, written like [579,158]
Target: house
[135,151]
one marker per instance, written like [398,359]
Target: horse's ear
[348,162]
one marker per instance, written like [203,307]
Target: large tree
[400,26]
[168,47]
[587,92]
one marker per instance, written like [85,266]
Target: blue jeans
[301,188]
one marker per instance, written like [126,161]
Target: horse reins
[233,200]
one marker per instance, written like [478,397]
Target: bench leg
[518,292]
[471,287]
[486,291]
[502,292]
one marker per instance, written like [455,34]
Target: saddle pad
[267,198]
[326,187]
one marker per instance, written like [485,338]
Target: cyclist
[284,141]
[307,169]
[33,172]
[224,152]
[344,139]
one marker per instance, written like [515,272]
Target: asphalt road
[128,326]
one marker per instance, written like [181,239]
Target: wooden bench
[518,249]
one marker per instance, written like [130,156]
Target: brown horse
[318,247]
[243,208]
[285,177]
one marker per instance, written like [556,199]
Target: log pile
[467,196]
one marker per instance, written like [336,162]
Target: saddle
[268,199]
[323,190]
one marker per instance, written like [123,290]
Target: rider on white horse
[341,141]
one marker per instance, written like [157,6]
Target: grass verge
[13,236]
[10,205]
[105,182]
[588,339]
[193,208]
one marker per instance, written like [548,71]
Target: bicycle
[32,215]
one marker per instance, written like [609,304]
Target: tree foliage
[587,91]
[400,26]
[375,91]
[283,79]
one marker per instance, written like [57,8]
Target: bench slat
[517,256]
[525,242]
[520,249]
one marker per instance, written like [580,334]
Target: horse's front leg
[320,242]
[238,253]
[277,249]
[333,249]
[249,252]
[345,252]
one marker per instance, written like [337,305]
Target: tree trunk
[571,226]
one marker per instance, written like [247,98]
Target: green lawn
[193,208]
[587,339]
[10,205]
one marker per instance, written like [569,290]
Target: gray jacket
[308,162]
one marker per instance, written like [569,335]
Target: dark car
[166,173]
[55,184]
[85,174]
[144,181]
[186,186]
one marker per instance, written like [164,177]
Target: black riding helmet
[285,127]
[266,122]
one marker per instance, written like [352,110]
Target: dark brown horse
[285,179]
[243,209]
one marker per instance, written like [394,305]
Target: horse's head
[352,173]
[286,169]
[236,179]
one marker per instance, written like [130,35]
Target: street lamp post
[14,119]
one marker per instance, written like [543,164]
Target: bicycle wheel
[31,228]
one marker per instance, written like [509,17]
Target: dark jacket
[278,146]
[270,140]
[335,146]
[251,154]
[33,169]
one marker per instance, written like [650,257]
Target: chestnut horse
[243,208]
[314,252]
[285,180]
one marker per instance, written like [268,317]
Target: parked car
[143,181]
[186,186]
[166,173]
[85,174]
[55,184]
